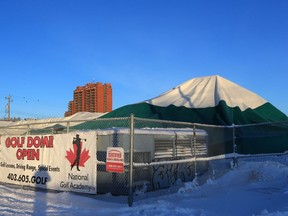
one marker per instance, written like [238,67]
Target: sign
[115,159]
[64,162]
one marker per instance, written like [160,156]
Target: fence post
[28,129]
[130,195]
[68,127]
[234,148]
[195,156]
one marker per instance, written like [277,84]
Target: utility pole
[8,106]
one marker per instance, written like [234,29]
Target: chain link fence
[158,153]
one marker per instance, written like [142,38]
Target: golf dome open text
[29,148]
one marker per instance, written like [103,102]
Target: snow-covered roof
[152,131]
[206,92]
[20,127]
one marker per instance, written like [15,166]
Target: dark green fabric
[219,115]
[249,140]
[266,138]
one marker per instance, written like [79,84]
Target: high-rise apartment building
[93,97]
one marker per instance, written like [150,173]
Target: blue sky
[142,47]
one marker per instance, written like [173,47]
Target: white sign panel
[115,159]
[65,162]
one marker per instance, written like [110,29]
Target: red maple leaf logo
[71,155]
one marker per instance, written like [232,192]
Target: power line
[25,110]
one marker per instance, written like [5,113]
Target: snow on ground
[255,187]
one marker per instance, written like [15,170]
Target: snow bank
[257,186]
